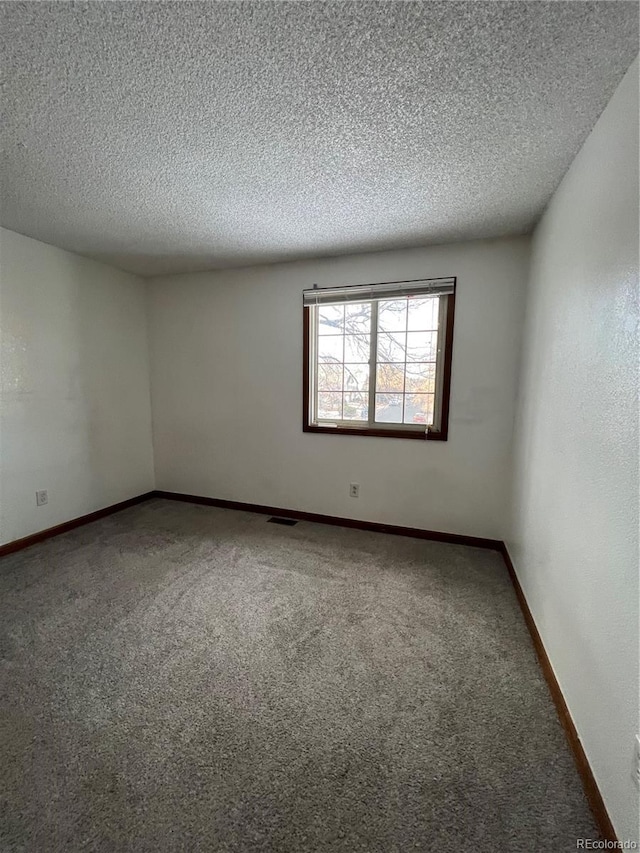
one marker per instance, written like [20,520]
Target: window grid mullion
[404,371]
[344,349]
[373,359]
[314,355]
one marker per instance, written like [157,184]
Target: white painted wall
[75,411]
[226,375]
[574,535]
[227,392]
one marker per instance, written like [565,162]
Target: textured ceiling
[175,136]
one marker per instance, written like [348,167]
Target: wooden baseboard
[374,526]
[591,790]
[41,535]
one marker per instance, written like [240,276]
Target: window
[377,359]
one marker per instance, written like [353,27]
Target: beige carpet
[183,678]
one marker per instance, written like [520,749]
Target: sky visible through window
[407,334]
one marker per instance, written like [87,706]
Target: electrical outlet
[354,490]
[42,497]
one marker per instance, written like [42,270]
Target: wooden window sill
[377,432]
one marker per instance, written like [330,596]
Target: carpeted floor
[183,678]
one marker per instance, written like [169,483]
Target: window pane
[390,377]
[423,314]
[420,378]
[358,318]
[357,348]
[356,407]
[330,319]
[389,408]
[356,377]
[392,347]
[330,348]
[418,409]
[329,406]
[329,377]
[421,346]
[392,315]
